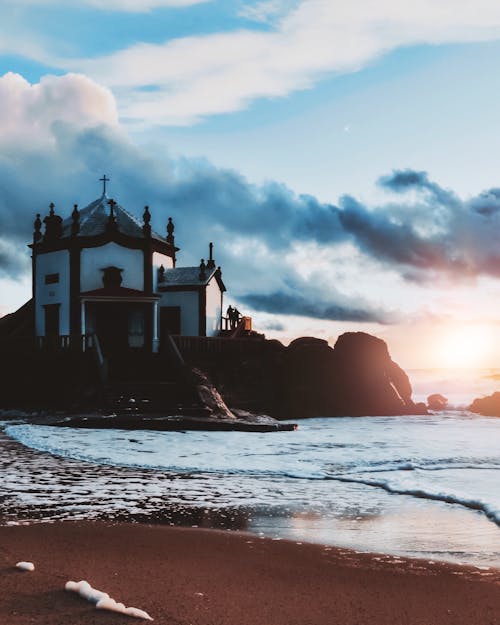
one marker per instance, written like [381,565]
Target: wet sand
[211,577]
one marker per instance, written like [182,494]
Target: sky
[342,155]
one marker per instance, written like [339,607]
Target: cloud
[13,262]
[436,233]
[267,11]
[253,227]
[486,203]
[183,80]
[281,253]
[132,6]
[297,304]
[274,326]
[29,112]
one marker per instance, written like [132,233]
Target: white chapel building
[103,272]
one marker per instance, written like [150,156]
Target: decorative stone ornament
[112,277]
[203,270]
[37,225]
[75,225]
[211,261]
[146,228]
[53,225]
[112,225]
[170,231]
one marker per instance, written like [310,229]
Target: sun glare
[464,347]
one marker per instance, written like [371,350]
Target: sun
[465,346]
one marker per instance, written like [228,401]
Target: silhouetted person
[230,317]
[237,317]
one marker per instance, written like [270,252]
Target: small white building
[103,272]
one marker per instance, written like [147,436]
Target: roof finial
[146,228]
[104,179]
[53,225]
[75,225]
[211,261]
[111,225]
[37,225]
[170,231]
[202,275]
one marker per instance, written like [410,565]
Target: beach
[253,546]
[213,577]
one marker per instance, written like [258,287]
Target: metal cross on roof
[104,180]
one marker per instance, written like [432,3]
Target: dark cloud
[486,203]
[378,235]
[429,232]
[403,179]
[283,303]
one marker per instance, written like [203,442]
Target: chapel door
[112,327]
[170,321]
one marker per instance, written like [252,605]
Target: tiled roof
[186,276]
[94,218]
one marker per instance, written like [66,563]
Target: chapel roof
[94,219]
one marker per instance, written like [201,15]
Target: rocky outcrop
[436,401]
[209,396]
[309,378]
[306,379]
[356,377]
[488,406]
[367,381]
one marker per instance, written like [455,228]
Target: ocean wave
[30,437]
[490,511]
[159,453]
[430,465]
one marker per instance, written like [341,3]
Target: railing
[214,345]
[244,324]
[79,342]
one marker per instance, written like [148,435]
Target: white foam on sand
[25,566]
[103,601]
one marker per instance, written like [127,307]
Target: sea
[418,486]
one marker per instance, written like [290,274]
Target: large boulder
[436,401]
[366,381]
[488,406]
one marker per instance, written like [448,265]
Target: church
[103,272]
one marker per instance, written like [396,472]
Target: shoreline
[43,486]
[202,577]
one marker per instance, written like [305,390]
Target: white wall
[158,260]
[189,303]
[214,309]
[93,259]
[58,293]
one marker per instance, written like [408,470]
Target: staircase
[151,398]
[148,384]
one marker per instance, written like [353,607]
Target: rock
[307,342]
[209,396]
[357,377]
[488,406]
[365,379]
[436,401]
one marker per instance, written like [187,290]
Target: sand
[210,577]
